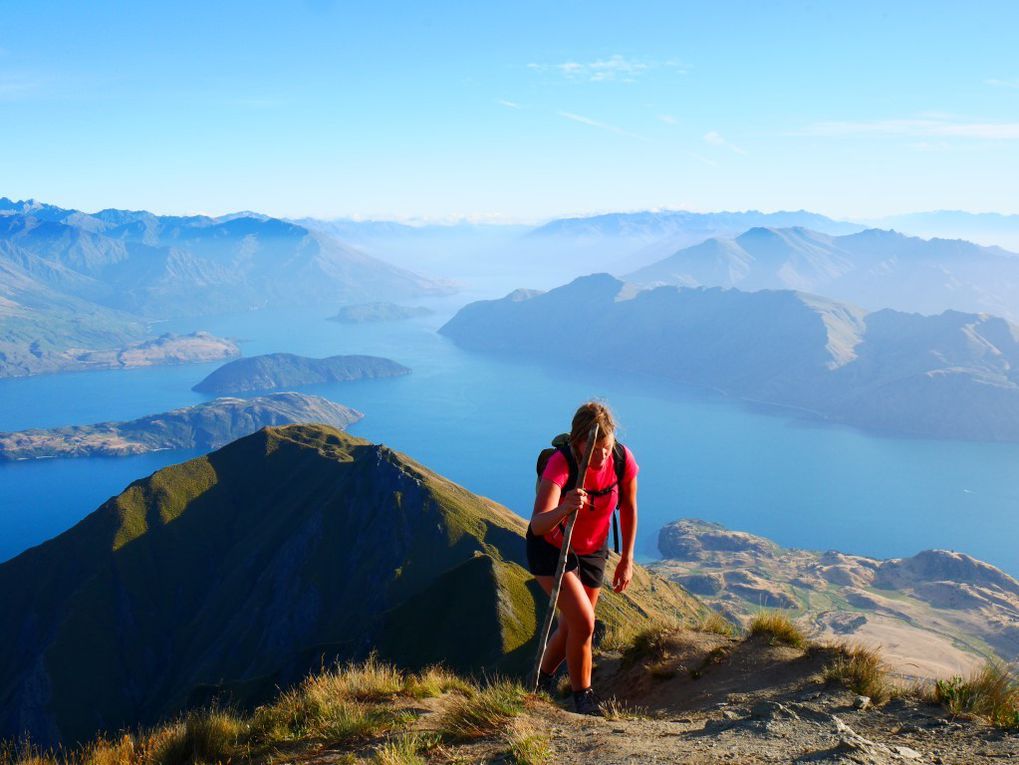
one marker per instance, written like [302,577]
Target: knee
[581,627]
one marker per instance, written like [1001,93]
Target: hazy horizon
[512,114]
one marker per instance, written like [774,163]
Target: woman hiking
[594,498]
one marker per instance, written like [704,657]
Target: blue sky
[511,111]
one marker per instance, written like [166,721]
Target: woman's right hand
[573,501]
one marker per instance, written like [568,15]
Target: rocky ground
[936,614]
[714,699]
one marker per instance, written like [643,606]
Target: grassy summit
[237,572]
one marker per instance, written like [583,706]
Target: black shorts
[542,558]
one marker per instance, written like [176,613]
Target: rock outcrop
[933,614]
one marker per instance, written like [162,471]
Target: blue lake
[481,420]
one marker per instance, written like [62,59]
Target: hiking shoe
[547,684]
[586,702]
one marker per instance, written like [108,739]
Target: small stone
[906,753]
[861,702]
[728,714]
[619,730]
[771,709]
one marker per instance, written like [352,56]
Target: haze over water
[481,420]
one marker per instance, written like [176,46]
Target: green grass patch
[991,693]
[778,628]
[435,681]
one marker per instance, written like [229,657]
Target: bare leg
[555,652]
[577,615]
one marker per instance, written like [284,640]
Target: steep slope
[950,376]
[240,570]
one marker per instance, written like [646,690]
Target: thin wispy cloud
[508,104]
[600,125]
[615,68]
[916,128]
[715,139]
[668,119]
[1013,84]
[14,86]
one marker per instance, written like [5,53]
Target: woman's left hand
[623,575]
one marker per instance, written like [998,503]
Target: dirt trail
[704,699]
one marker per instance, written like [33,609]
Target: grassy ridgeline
[237,573]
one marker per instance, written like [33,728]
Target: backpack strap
[619,462]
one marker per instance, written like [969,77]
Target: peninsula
[204,426]
[286,370]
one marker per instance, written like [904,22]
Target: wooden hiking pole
[560,568]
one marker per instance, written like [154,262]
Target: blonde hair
[587,415]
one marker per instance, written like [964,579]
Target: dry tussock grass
[485,713]
[778,628]
[345,704]
[861,670]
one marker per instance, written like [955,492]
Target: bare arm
[549,510]
[628,521]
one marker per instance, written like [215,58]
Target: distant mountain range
[874,268]
[162,266]
[985,228]
[234,574]
[70,279]
[558,250]
[655,226]
[622,242]
[952,375]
